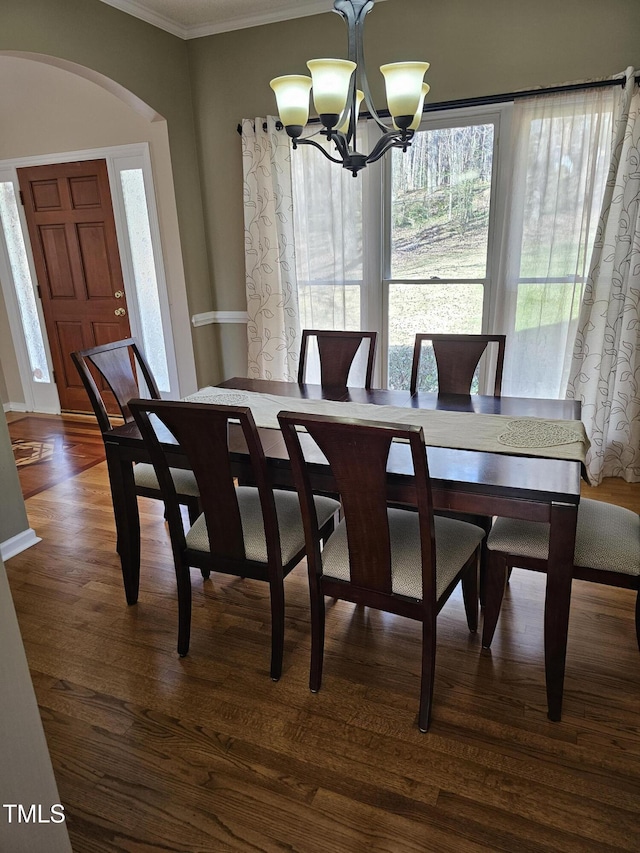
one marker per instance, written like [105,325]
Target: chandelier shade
[330,86]
[292,97]
[403,84]
[340,86]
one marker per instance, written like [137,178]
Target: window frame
[377,220]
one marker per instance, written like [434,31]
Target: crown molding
[138,10]
[258,19]
[240,22]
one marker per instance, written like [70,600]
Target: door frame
[43,397]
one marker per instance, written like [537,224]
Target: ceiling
[194,18]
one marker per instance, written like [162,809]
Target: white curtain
[561,156]
[605,373]
[328,233]
[328,206]
[272,291]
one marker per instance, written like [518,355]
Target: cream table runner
[551,439]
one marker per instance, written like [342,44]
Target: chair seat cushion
[185,482]
[455,543]
[289,524]
[607,538]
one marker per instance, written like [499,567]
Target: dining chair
[607,551]
[121,371]
[457,358]
[337,351]
[248,531]
[381,556]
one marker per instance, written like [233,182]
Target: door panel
[85,192]
[56,257]
[72,229]
[95,261]
[45,195]
[70,338]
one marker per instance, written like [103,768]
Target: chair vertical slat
[457,358]
[337,350]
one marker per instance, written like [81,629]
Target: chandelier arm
[362,68]
[307,141]
[354,13]
[390,140]
[341,143]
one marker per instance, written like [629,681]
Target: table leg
[557,602]
[125,508]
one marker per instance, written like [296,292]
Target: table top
[463,480]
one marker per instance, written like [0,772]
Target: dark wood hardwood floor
[49,449]
[157,753]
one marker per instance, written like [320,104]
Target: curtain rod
[486,100]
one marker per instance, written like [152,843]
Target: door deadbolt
[119,294]
[120,312]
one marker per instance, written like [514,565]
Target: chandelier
[338,93]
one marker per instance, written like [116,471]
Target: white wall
[46,110]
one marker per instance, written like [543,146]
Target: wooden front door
[73,235]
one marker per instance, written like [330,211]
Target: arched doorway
[59,112]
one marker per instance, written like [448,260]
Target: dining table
[467,475]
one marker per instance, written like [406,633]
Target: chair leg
[638,619]
[496,580]
[277,627]
[183,578]
[317,632]
[470,592]
[428,673]
[485,522]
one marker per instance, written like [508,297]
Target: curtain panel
[561,145]
[273,328]
[605,371]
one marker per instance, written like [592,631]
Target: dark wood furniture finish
[457,357]
[500,563]
[117,364]
[117,367]
[202,432]
[357,452]
[337,350]
[461,481]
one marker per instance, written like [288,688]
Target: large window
[485,225]
[439,205]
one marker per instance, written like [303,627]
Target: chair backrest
[337,350]
[202,430]
[119,364]
[457,358]
[358,452]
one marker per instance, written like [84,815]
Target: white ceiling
[194,18]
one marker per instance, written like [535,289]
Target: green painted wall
[204,87]
[475,48]
[153,65]
[13,515]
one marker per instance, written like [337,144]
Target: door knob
[120,312]
[119,294]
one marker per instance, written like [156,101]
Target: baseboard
[20,542]
[21,407]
